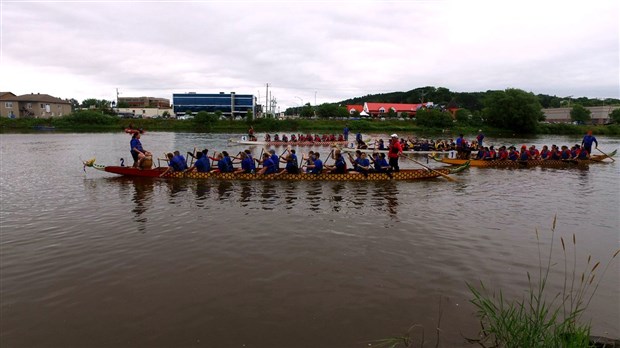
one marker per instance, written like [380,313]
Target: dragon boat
[525,164]
[402,175]
[245,141]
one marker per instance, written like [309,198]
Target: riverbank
[272,126]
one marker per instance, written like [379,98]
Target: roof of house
[5,95]
[40,98]
[358,108]
[374,107]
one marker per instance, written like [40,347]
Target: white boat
[450,154]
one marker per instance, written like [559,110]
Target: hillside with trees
[472,101]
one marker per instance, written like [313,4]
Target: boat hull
[526,164]
[404,174]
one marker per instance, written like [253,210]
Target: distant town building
[143,112]
[32,106]
[381,109]
[229,104]
[600,114]
[144,102]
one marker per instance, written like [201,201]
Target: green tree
[306,111]
[580,114]
[463,116]
[614,116]
[249,116]
[513,109]
[391,114]
[74,104]
[326,110]
[165,114]
[433,118]
[355,114]
[122,104]
[204,119]
[341,112]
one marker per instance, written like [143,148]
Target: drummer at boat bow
[137,152]
[587,141]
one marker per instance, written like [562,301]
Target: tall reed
[541,318]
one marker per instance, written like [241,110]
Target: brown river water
[89,259]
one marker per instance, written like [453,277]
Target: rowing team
[511,153]
[270,163]
[304,137]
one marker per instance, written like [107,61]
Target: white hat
[394,135]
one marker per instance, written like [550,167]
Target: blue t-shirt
[271,168]
[380,163]
[222,166]
[346,131]
[341,165]
[228,163]
[364,162]
[588,140]
[135,143]
[203,165]
[276,161]
[318,167]
[247,164]
[179,163]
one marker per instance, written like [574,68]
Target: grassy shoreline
[297,125]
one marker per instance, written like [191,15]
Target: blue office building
[227,103]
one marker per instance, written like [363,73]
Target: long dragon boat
[403,174]
[245,141]
[525,164]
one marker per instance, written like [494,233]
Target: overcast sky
[329,49]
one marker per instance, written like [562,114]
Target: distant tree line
[473,101]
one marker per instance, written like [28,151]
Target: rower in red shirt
[395,150]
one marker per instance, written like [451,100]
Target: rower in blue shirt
[202,164]
[269,166]
[317,165]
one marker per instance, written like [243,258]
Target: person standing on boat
[345,132]
[480,137]
[395,150]
[251,136]
[137,152]
[587,141]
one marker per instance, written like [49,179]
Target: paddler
[395,151]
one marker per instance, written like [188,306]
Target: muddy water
[91,259]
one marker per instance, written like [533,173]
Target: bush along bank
[89,121]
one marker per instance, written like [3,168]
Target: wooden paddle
[431,169]
[611,158]
[191,163]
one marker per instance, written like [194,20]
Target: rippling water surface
[91,259]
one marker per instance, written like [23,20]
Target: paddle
[193,155]
[431,169]
[611,158]
[331,153]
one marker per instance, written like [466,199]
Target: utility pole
[267,99]
[117,107]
